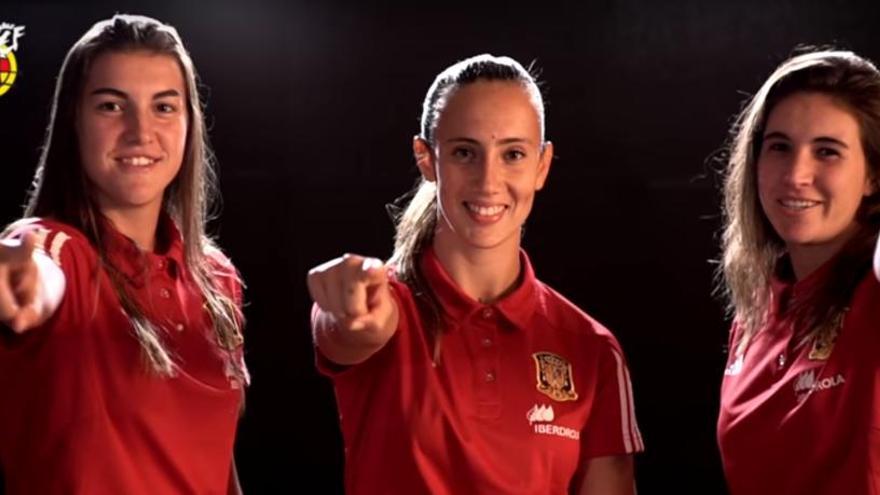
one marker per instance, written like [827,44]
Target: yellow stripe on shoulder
[57,244]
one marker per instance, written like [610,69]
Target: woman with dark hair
[455,369]
[799,401]
[121,365]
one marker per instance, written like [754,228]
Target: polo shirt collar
[516,307]
[785,289]
[127,257]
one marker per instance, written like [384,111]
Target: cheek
[91,142]
[766,180]
[174,143]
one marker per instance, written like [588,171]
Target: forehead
[813,114]
[486,109]
[135,71]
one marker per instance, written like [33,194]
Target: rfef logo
[9,36]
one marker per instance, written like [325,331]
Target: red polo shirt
[82,413]
[805,420]
[526,390]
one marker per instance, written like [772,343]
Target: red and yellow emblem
[8,69]
[823,343]
[555,379]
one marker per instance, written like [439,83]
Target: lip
[134,161]
[795,204]
[485,213]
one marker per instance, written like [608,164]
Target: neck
[806,258]
[486,275]
[138,224]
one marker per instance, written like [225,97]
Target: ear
[544,165]
[870,185]
[424,156]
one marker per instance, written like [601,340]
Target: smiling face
[131,125]
[812,173]
[488,160]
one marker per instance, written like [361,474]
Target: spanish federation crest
[554,376]
[823,344]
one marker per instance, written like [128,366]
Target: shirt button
[165,293]
[487,313]
[161,264]
[487,342]
[489,377]
[179,327]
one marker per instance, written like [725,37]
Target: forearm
[348,347]
[612,475]
[46,284]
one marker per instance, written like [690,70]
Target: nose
[489,173]
[801,168]
[138,126]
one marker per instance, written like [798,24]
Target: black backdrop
[312,108]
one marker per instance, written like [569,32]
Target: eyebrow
[121,94]
[820,139]
[512,140]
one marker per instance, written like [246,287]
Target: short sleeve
[71,252]
[611,428]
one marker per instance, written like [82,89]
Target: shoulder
[564,315]
[219,263]
[60,241]
[222,271]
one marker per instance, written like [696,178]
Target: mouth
[136,161]
[798,204]
[485,213]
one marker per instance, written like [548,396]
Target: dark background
[312,108]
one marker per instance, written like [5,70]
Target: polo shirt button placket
[164,293]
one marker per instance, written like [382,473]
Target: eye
[777,146]
[163,107]
[108,106]
[827,152]
[463,153]
[514,155]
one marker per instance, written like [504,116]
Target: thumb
[374,272]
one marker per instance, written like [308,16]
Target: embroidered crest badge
[823,344]
[554,376]
[824,341]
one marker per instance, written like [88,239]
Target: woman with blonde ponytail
[121,367]
[456,370]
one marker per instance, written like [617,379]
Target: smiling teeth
[486,211]
[798,204]
[137,161]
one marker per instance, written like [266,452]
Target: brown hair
[61,190]
[415,224]
[751,248]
